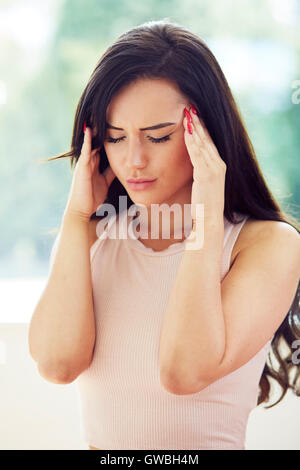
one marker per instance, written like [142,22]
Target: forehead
[146,99]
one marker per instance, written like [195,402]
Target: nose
[135,155]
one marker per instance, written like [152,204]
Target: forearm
[62,328]
[192,339]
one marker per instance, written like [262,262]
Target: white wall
[36,414]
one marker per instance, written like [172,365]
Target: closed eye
[152,139]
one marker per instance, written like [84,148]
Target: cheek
[181,161]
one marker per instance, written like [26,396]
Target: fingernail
[189,128]
[194,110]
[84,127]
[188,116]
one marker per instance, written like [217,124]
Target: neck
[161,222]
[169,219]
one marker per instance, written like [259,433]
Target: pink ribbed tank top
[122,403]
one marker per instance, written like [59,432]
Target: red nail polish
[190,129]
[84,126]
[194,110]
[188,116]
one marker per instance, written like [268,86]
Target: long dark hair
[161,49]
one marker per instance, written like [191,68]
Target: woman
[167,338]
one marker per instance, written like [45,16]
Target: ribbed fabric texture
[122,402]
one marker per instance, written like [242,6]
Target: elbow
[178,386]
[170,387]
[59,373]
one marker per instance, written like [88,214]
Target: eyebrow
[156,126]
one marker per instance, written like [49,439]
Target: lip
[137,186]
[139,180]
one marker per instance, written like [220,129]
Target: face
[139,153]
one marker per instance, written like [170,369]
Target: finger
[203,139]
[200,148]
[199,132]
[198,136]
[186,124]
[204,134]
[86,146]
[95,159]
[200,128]
[198,143]
[199,125]
[109,175]
[209,149]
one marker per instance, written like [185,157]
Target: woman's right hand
[89,187]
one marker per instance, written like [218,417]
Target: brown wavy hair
[166,50]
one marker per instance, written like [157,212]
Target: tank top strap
[230,236]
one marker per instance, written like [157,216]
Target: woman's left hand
[209,169]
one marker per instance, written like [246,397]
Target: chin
[141,202]
[138,199]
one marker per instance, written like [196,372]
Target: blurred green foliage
[37,118]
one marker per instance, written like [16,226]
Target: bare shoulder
[253,230]
[274,228]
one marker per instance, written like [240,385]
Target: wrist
[75,217]
[207,232]
[207,222]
